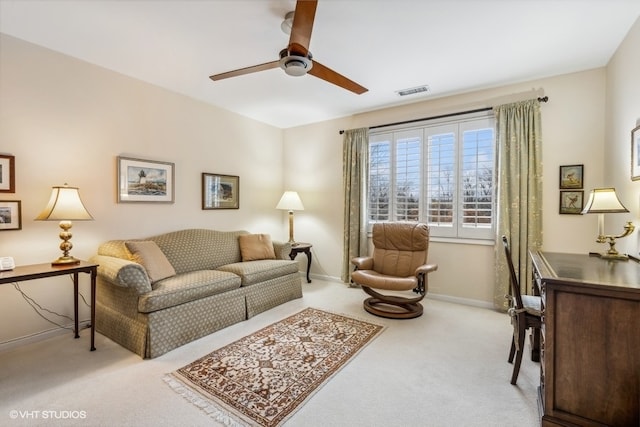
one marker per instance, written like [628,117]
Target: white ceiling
[453,46]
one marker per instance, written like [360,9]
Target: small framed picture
[571,176]
[635,154]
[220,191]
[145,181]
[10,215]
[7,174]
[571,202]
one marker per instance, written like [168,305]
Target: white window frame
[457,230]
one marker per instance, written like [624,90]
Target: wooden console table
[590,355]
[296,248]
[41,271]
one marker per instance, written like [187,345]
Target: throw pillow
[151,257]
[256,246]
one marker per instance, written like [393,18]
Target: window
[441,173]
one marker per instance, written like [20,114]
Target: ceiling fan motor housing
[295,65]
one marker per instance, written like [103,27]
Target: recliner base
[395,310]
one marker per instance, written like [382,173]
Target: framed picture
[220,191]
[635,154]
[145,181]
[7,174]
[10,215]
[571,176]
[571,202]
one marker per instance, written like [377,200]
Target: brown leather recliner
[398,263]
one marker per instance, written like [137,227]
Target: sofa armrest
[282,249]
[122,272]
[363,262]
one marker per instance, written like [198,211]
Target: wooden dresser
[590,355]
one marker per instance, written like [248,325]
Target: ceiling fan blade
[246,70]
[327,74]
[302,26]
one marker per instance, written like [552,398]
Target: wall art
[145,181]
[7,174]
[10,215]
[571,202]
[220,191]
[635,154]
[571,176]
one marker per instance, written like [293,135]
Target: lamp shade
[290,201]
[64,205]
[603,200]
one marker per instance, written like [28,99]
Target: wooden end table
[41,271]
[297,248]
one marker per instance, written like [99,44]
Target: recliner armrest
[426,268]
[363,263]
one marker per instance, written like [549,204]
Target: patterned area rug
[262,379]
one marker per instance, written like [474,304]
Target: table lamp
[65,206]
[602,201]
[290,201]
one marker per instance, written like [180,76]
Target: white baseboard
[463,301]
[441,297]
[322,277]
[41,336]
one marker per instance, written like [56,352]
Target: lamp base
[611,257]
[65,260]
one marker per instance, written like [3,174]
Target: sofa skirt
[152,334]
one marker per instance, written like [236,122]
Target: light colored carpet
[261,379]
[446,368]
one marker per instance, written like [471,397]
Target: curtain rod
[540,99]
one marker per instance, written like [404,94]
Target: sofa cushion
[255,247]
[253,272]
[149,255]
[187,287]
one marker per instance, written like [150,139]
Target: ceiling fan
[295,59]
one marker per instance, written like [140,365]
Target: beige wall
[66,121]
[573,133]
[623,114]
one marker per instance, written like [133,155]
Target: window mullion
[393,181]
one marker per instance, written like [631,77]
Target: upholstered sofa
[158,293]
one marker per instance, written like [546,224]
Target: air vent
[413,90]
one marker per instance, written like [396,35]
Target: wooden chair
[398,263]
[525,314]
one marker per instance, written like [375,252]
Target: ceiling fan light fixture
[295,65]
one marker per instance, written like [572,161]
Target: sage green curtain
[355,156]
[519,139]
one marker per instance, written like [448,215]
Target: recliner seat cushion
[373,279]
